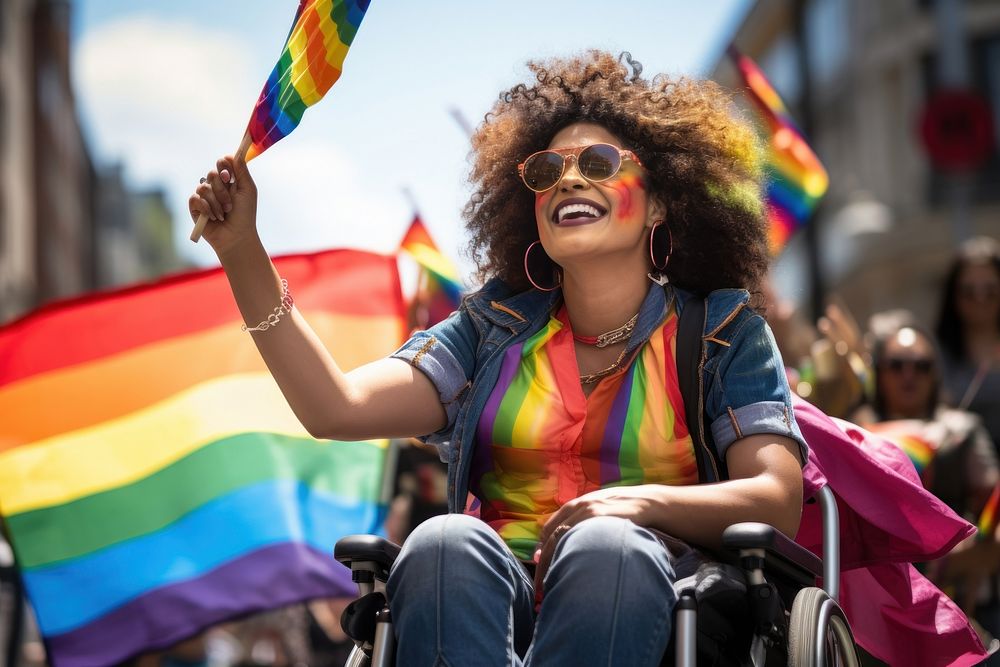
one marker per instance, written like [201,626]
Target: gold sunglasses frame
[574,152]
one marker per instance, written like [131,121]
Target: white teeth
[578,208]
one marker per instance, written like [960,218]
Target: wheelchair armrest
[366,548]
[751,535]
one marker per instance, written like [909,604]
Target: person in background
[968,329]
[827,364]
[951,450]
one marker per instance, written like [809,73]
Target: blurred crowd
[933,389]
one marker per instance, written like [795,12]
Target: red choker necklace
[609,337]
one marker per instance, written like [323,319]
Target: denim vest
[745,389]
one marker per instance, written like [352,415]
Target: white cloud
[169,71]
[308,190]
[184,101]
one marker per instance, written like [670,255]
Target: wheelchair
[775,615]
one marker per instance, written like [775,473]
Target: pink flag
[887,521]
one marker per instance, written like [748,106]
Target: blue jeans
[459,597]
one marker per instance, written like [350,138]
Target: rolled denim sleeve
[748,392]
[445,353]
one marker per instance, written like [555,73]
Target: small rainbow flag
[796,178]
[988,518]
[441,292]
[908,436]
[310,63]
[153,479]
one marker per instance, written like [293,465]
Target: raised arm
[386,398]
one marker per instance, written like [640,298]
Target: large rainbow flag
[311,62]
[440,289]
[154,481]
[797,179]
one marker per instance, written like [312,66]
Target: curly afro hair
[702,161]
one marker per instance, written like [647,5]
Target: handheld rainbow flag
[797,179]
[311,62]
[152,477]
[441,291]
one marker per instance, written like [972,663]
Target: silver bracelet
[283,308]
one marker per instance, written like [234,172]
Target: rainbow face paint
[627,186]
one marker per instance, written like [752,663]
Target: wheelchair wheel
[818,632]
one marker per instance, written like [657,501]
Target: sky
[166,87]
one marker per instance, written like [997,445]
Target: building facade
[17,200]
[46,178]
[858,76]
[66,225]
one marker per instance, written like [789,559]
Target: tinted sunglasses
[919,366]
[978,292]
[597,162]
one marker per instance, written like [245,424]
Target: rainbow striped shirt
[541,442]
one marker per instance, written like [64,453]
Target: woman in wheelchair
[604,202]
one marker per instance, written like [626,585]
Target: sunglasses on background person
[597,162]
[971,292]
[919,366]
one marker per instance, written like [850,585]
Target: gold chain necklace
[594,377]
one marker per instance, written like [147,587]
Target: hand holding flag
[310,63]
[228,193]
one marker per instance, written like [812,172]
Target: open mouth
[578,211]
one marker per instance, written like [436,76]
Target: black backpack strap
[690,348]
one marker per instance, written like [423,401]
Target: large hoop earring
[555,271]
[670,246]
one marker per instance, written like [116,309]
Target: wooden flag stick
[199,226]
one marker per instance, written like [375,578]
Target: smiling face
[907,375]
[580,220]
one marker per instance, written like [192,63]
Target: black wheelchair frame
[792,622]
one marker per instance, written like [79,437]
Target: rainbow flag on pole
[310,63]
[797,179]
[154,481]
[440,289]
